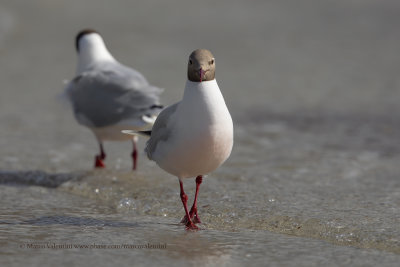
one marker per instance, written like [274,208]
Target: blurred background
[314,90]
[273,57]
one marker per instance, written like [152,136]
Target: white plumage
[197,135]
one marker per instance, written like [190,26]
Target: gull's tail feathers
[137,133]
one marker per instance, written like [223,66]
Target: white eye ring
[212,61]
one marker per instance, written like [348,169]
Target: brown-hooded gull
[194,136]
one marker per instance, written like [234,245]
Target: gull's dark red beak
[201,74]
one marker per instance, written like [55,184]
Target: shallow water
[63,230]
[313,178]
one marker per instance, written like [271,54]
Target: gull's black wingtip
[148,133]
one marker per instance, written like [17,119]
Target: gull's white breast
[201,133]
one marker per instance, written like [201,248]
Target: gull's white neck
[201,88]
[204,99]
[92,50]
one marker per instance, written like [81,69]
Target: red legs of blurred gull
[99,158]
[189,224]
[134,153]
[193,211]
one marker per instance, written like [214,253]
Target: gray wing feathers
[106,97]
[160,131]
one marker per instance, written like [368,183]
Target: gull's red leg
[189,224]
[193,211]
[134,153]
[99,158]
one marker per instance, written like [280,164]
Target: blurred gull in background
[108,97]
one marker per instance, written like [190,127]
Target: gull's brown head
[201,66]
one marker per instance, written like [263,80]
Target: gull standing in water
[194,136]
[108,97]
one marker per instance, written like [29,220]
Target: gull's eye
[190,62]
[212,61]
